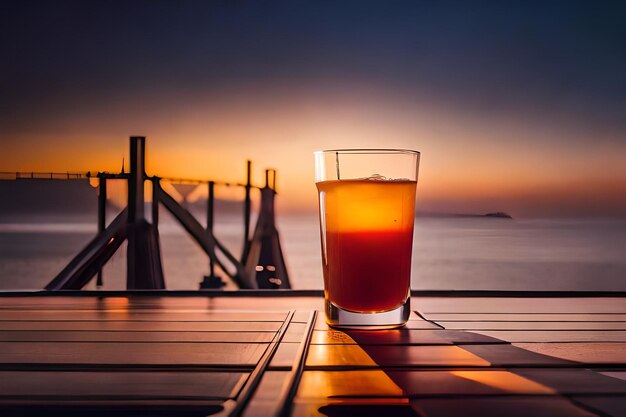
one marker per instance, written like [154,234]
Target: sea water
[448,253]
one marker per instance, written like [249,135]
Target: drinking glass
[366,208]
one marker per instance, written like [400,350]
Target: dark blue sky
[516,105]
[561,60]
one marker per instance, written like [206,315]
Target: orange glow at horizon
[466,164]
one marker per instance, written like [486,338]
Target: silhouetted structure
[264,259]
[261,264]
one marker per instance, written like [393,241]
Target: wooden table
[265,354]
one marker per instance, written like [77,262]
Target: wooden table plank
[264,402]
[133,315]
[131,354]
[163,302]
[498,407]
[533,325]
[301,316]
[113,407]
[615,374]
[382,337]
[352,383]
[510,317]
[294,333]
[589,353]
[536,406]
[575,381]
[134,326]
[426,305]
[285,356]
[415,324]
[556,336]
[380,383]
[582,305]
[399,337]
[389,356]
[41,385]
[362,407]
[130,336]
[614,406]
[509,356]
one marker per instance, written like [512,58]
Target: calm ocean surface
[449,253]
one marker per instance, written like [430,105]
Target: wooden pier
[271,354]
[260,266]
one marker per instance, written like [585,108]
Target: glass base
[345,319]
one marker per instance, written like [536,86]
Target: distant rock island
[495,214]
[499,214]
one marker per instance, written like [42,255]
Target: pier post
[136,179]
[246,213]
[143,269]
[209,220]
[211,281]
[102,207]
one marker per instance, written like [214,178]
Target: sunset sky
[515,106]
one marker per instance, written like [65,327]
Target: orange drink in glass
[366,227]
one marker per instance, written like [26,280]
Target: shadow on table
[478,376]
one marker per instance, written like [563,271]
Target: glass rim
[374,151]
